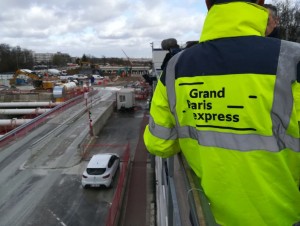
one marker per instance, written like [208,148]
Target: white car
[100,170]
[98,77]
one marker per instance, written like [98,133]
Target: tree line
[288,12]
[13,58]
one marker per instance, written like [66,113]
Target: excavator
[37,81]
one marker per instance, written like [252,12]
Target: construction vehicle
[38,82]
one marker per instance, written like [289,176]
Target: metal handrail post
[173,208]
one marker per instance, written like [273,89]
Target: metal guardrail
[41,118]
[116,204]
[168,203]
[161,192]
[36,121]
[173,208]
[201,213]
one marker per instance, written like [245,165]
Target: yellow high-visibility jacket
[227,103]
[297,98]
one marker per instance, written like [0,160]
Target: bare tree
[13,58]
[289,19]
[60,59]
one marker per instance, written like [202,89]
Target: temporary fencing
[114,211]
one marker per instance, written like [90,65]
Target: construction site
[32,93]
[51,126]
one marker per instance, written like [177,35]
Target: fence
[25,128]
[172,210]
[114,210]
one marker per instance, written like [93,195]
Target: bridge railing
[37,121]
[180,197]
[115,207]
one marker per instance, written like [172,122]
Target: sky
[99,28]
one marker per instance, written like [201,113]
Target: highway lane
[40,178]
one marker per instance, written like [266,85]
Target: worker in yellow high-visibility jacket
[227,103]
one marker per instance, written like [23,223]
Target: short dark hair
[272,8]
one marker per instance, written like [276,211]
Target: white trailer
[125,99]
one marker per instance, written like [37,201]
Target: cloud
[98,27]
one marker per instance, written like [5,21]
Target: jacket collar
[233,20]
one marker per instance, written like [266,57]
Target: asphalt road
[40,179]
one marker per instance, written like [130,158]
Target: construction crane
[131,64]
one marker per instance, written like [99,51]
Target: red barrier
[111,219]
[30,127]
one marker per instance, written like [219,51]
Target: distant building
[42,57]
[45,57]
[158,56]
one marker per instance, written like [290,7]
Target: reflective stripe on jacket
[227,104]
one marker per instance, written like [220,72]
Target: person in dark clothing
[190,44]
[273,21]
[172,47]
